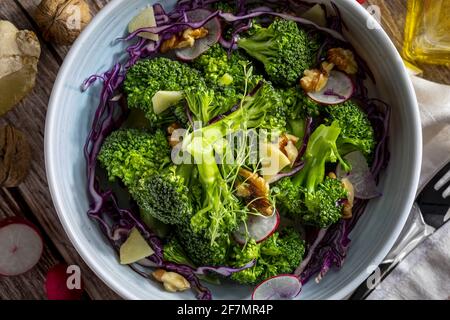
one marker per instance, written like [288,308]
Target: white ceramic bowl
[70,114]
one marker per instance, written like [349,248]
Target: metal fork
[429,213]
[434,200]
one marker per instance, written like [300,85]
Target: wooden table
[32,198]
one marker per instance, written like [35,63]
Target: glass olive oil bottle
[427,31]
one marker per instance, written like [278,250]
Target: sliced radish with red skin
[56,285]
[201,45]
[360,176]
[281,287]
[339,89]
[21,246]
[258,228]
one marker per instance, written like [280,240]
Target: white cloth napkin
[425,272]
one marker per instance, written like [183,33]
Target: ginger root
[19,57]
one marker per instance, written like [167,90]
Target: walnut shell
[61,21]
[15,157]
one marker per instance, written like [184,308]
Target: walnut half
[256,191]
[172,281]
[343,59]
[15,157]
[184,39]
[313,80]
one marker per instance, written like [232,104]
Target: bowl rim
[52,177]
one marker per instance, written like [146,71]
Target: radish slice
[360,176]
[281,287]
[20,246]
[339,89]
[56,284]
[201,45]
[258,227]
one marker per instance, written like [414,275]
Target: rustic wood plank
[29,285]
[29,116]
[393,16]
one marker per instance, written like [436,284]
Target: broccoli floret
[316,199]
[149,76]
[163,195]
[298,107]
[263,110]
[241,256]
[225,6]
[142,161]
[181,117]
[281,253]
[225,76]
[298,104]
[130,154]
[200,102]
[174,252]
[221,212]
[357,132]
[325,199]
[198,247]
[285,50]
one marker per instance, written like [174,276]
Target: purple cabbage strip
[296,169]
[306,136]
[320,235]
[172,28]
[224,271]
[330,92]
[231,18]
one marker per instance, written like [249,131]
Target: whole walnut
[61,21]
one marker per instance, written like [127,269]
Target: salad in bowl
[238,143]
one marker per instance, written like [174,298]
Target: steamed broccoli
[298,107]
[149,76]
[224,75]
[174,252]
[298,104]
[198,247]
[164,195]
[285,50]
[262,110]
[179,112]
[357,132]
[281,253]
[130,154]
[309,194]
[193,249]
[142,161]
[225,6]
[221,211]
[200,103]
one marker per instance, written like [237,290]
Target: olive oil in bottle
[427,31]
